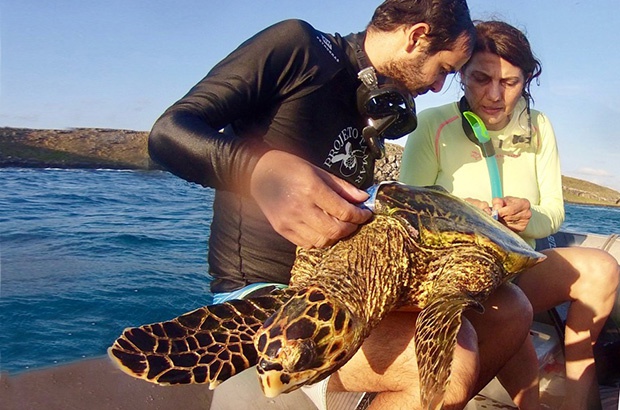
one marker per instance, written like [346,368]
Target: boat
[547,334]
[96,384]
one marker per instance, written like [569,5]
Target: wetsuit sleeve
[188,146]
[548,215]
[188,140]
[420,165]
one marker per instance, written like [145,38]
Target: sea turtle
[423,247]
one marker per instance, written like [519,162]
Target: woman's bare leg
[587,278]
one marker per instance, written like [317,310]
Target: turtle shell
[438,219]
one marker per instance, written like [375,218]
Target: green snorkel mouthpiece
[481,133]
[485,144]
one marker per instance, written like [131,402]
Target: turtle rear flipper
[207,345]
[437,327]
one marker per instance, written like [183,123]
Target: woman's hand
[513,212]
[482,205]
[305,204]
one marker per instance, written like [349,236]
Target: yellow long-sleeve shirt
[439,153]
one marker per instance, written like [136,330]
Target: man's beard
[408,74]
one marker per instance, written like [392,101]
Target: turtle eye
[266,366]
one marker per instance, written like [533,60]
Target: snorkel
[485,144]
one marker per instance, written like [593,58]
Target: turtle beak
[274,380]
[273,384]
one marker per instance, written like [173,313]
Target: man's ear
[416,36]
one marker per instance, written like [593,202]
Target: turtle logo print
[348,160]
[349,155]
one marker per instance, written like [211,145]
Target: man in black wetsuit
[275,129]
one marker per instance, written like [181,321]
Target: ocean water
[85,253]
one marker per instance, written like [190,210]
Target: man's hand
[305,204]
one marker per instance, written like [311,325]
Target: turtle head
[305,341]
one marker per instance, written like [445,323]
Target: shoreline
[103,148]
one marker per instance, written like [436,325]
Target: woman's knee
[610,271]
[598,278]
[508,304]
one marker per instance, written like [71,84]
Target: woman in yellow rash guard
[496,83]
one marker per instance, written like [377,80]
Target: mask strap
[367,73]
[368,76]
[360,54]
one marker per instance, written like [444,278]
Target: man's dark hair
[448,20]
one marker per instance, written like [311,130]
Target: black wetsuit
[290,88]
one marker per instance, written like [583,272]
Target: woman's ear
[416,36]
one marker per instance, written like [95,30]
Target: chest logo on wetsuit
[327,45]
[349,154]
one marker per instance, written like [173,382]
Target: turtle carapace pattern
[423,248]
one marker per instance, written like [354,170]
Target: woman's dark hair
[448,20]
[509,43]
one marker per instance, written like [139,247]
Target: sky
[121,63]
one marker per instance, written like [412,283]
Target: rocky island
[126,149]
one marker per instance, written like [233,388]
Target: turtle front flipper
[207,345]
[437,327]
